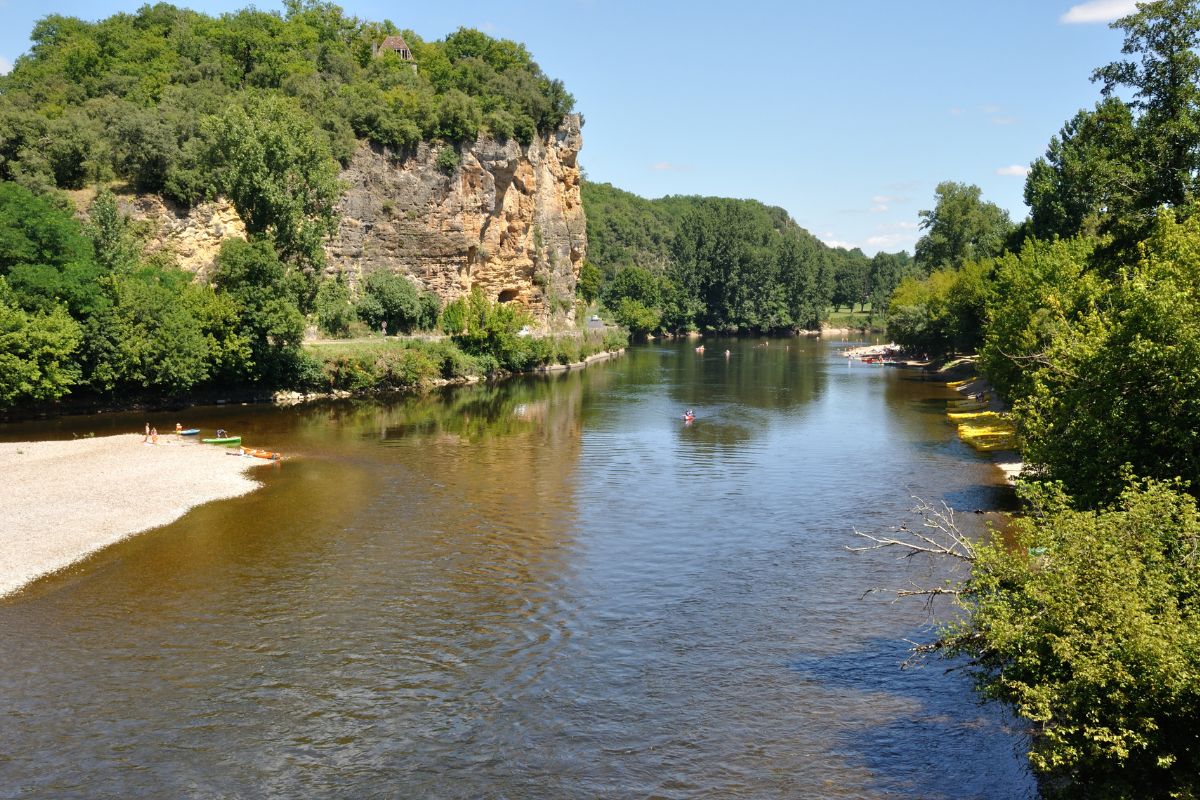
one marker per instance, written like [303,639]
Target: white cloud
[1014,171]
[991,109]
[1098,11]
[897,226]
[879,208]
[1004,120]
[889,239]
[5,65]
[836,244]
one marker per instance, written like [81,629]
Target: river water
[548,588]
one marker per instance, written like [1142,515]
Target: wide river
[546,588]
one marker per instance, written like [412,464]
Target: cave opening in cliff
[507,295]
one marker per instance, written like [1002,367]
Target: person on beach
[178,428]
[154,435]
[220,433]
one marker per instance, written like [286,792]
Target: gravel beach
[63,500]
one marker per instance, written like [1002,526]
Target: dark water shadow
[917,735]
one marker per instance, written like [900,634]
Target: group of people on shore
[151,436]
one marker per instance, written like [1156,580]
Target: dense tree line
[257,106]
[704,263]
[254,106]
[1086,316]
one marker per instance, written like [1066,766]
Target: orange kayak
[267,454]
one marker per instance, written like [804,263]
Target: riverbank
[959,375]
[64,500]
[366,368]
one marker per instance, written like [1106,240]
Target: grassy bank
[854,320]
[405,363]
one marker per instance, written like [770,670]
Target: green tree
[852,278]
[490,330]
[277,170]
[1163,36]
[633,283]
[37,352]
[45,256]
[1087,624]
[1091,171]
[251,275]
[394,299]
[637,317]
[886,272]
[149,339]
[115,246]
[335,310]
[1121,382]
[960,227]
[1036,294]
[591,281]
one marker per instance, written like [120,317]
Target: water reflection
[543,588]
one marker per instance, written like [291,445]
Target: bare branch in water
[943,539]
[938,536]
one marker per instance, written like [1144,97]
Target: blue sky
[847,113]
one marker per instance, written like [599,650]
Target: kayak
[246,451]
[189,432]
[687,418]
[224,440]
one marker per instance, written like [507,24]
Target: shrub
[391,298]
[335,310]
[448,160]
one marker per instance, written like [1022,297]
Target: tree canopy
[722,264]
[960,227]
[162,97]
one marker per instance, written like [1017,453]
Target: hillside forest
[681,264]
[261,108]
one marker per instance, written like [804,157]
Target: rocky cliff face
[191,237]
[509,220]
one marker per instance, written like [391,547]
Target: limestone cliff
[192,237]
[509,220]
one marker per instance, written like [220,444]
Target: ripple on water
[540,590]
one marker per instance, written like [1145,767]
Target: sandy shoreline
[61,501]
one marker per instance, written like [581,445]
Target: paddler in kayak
[688,416]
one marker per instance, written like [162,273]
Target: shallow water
[548,588]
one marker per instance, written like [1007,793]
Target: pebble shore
[61,501]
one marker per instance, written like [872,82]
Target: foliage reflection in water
[545,588]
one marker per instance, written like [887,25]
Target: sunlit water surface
[543,589]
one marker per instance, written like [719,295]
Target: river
[547,588]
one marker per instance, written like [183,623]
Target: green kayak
[224,440]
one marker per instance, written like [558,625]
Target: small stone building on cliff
[396,44]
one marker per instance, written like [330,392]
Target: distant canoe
[189,432]
[224,440]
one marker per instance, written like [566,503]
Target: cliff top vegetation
[149,97]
